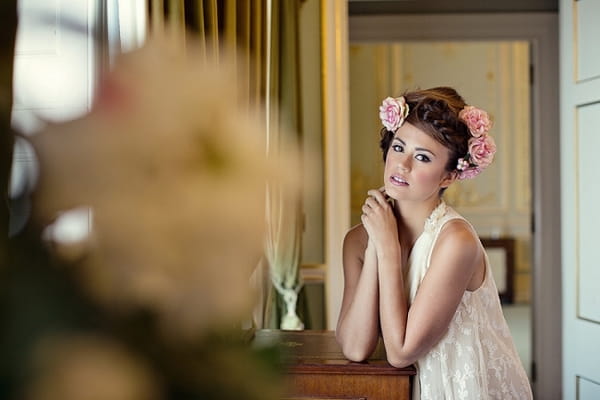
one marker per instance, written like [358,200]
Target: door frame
[541,30]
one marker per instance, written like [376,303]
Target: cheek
[429,177]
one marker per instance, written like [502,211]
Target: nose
[405,162]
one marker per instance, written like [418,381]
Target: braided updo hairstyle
[435,112]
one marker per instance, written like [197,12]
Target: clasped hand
[379,220]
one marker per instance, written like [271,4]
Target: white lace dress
[476,358]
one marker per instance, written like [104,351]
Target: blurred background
[150,156]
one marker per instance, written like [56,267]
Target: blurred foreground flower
[89,368]
[174,170]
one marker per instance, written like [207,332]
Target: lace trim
[436,215]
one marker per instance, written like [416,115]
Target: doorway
[540,30]
[493,75]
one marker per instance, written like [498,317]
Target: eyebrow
[416,148]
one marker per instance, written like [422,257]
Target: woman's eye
[423,157]
[397,147]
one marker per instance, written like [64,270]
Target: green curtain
[265,34]
[216,24]
[284,223]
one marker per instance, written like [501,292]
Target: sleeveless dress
[476,358]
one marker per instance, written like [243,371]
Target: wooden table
[318,370]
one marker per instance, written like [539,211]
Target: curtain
[284,224]
[218,24]
[265,35]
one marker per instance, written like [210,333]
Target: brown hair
[435,112]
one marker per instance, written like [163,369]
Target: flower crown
[393,112]
[481,145]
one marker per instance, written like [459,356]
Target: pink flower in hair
[469,173]
[481,145]
[476,120]
[482,150]
[393,112]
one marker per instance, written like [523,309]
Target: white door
[580,196]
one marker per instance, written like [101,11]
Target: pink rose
[469,173]
[393,112]
[476,120]
[481,150]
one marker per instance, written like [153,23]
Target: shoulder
[357,233]
[457,237]
[457,258]
[355,240]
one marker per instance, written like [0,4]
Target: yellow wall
[491,75]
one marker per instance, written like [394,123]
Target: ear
[449,179]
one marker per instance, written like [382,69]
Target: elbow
[353,351]
[401,354]
[355,354]
[399,362]
[401,358]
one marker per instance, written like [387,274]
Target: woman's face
[415,166]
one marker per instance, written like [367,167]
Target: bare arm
[410,333]
[358,324]
[456,260]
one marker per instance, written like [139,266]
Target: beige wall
[491,75]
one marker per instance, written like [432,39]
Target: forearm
[393,307]
[358,326]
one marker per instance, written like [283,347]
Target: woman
[415,271]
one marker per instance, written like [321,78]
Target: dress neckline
[430,225]
[432,222]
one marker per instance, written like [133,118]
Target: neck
[411,218]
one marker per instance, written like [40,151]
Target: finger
[365,221]
[366,209]
[378,196]
[371,202]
